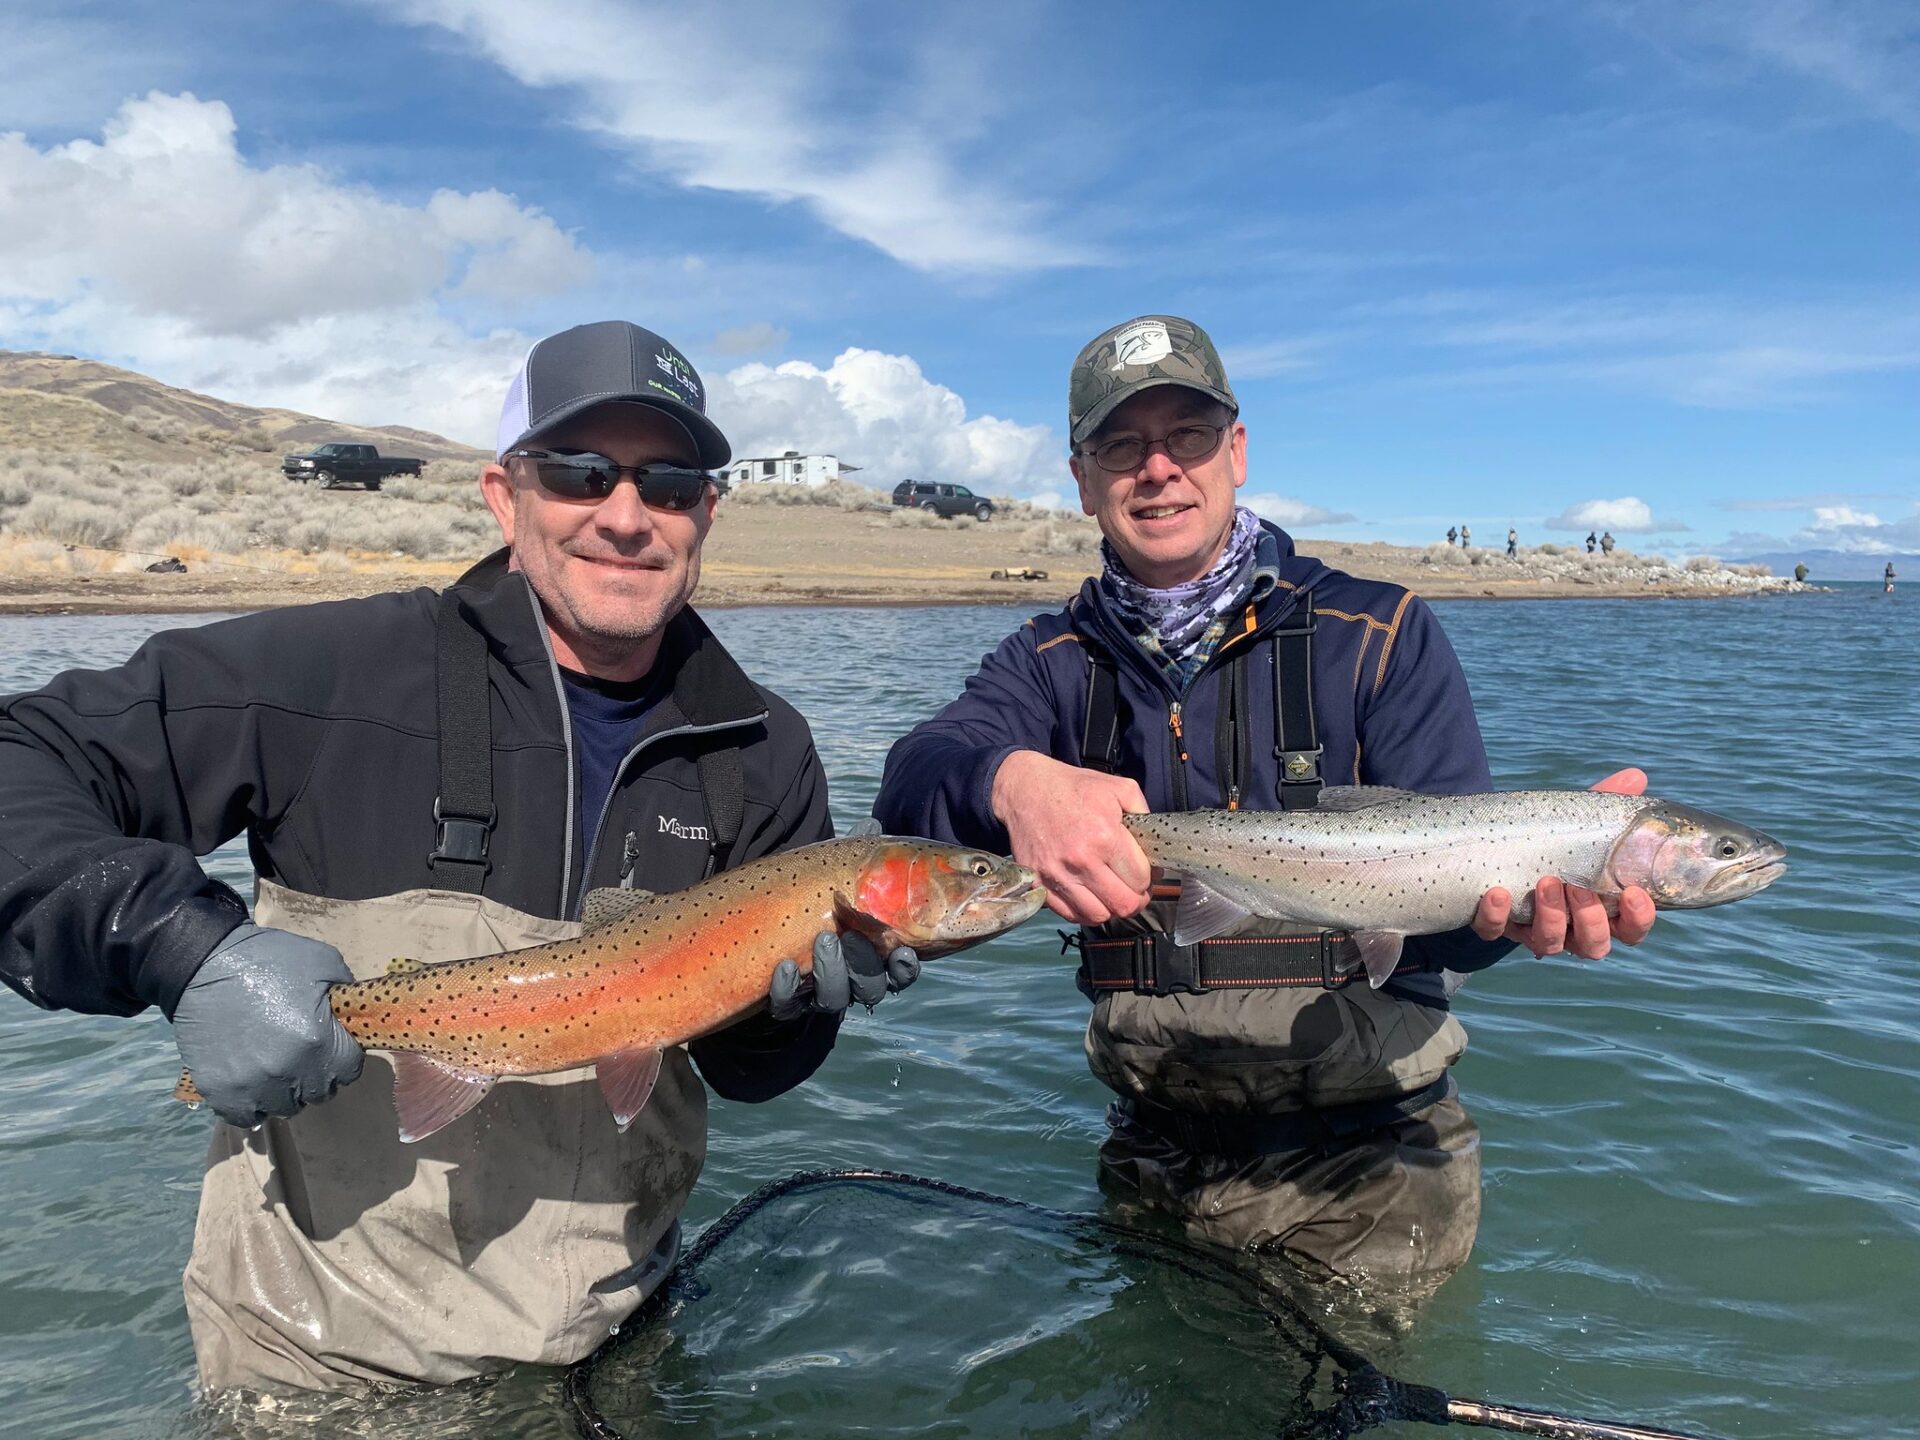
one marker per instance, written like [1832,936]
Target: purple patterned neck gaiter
[1177,619]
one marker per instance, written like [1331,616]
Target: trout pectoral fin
[1379,952]
[848,917]
[428,1095]
[404,965]
[1203,912]
[186,1092]
[626,1079]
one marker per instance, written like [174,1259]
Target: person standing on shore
[1266,1095]
[437,776]
[1593,540]
[1453,536]
[1800,573]
[1513,543]
[1466,537]
[1606,543]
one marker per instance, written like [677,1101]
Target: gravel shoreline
[768,554]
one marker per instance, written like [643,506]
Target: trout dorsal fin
[1359,797]
[609,905]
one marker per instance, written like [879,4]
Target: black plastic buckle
[461,839]
[1329,977]
[1070,940]
[1299,767]
[1161,967]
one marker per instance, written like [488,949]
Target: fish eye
[1729,848]
[982,866]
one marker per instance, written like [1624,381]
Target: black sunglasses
[583,475]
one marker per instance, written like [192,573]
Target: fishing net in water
[887,1304]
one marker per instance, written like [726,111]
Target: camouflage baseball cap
[1152,350]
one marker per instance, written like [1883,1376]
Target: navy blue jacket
[1390,703]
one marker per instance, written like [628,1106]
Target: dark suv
[942,499]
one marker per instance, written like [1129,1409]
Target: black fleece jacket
[314,730]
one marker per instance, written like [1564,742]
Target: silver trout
[1384,863]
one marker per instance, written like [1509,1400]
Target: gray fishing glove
[845,968]
[254,1026]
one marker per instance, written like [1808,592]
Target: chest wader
[1268,1096]
[327,1254]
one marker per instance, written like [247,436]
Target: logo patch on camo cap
[1138,355]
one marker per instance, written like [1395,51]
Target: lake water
[1702,1157]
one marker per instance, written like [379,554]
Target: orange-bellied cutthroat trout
[1384,863]
[651,971]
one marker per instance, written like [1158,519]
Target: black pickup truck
[340,464]
[943,499]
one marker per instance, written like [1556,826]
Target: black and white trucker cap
[607,362]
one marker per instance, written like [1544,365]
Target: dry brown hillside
[62,404]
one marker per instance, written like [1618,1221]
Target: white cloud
[750,339]
[67,68]
[760,105]
[879,412]
[1836,517]
[1841,527]
[1628,515]
[1864,49]
[1794,502]
[1292,514]
[1691,350]
[163,218]
[1273,357]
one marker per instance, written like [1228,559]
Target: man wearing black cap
[435,776]
[1266,1094]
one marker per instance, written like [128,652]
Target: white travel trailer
[792,468]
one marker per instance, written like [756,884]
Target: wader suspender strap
[463,812]
[1100,735]
[1296,740]
[1150,963]
[723,787]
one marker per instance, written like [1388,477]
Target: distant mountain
[71,406]
[1838,564]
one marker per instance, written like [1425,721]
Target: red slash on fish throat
[650,971]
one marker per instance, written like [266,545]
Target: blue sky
[1495,261]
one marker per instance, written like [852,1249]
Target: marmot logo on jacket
[682,831]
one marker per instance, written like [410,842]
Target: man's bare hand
[1065,823]
[1568,917]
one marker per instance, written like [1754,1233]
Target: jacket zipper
[1176,735]
[1176,738]
[629,858]
[566,736]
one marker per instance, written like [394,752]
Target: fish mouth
[1758,877]
[1752,874]
[1019,886]
[1020,892]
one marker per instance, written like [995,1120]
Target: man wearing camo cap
[1266,1094]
